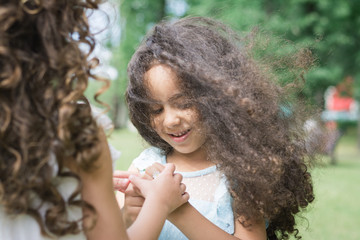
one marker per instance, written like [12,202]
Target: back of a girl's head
[43,75]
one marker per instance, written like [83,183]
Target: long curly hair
[45,120]
[253,125]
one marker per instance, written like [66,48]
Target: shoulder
[148,157]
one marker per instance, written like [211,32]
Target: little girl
[202,102]
[55,165]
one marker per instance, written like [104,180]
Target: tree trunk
[119,112]
[358,131]
[135,19]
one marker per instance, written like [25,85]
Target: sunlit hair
[254,134]
[45,121]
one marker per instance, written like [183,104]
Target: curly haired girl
[55,166]
[199,98]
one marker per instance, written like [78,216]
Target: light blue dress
[208,194]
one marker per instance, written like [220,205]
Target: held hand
[166,189]
[133,202]
[154,170]
[120,180]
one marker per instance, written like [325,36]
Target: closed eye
[184,105]
[156,111]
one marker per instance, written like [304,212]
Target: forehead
[162,82]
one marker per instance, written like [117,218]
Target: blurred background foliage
[329,28]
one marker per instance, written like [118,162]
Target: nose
[171,118]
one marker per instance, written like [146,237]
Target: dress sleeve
[225,215]
[148,157]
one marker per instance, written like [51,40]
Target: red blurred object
[335,102]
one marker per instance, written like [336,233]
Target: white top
[25,227]
[208,194]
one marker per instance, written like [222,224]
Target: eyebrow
[171,99]
[176,96]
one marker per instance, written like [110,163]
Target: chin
[184,150]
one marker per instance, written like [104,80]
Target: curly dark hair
[254,133]
[43,112]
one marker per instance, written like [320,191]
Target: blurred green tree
[136,18]
[330,28]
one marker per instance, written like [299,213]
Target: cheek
[192,116]
[155,123]
[197,122]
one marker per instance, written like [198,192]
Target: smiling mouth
[180,136]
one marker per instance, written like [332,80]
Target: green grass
[335,213]
[129,143]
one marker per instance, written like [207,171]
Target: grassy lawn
[335,214]
[129,143]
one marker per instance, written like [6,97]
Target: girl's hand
[133,201]
[154,170]
[166,189]
[121,180]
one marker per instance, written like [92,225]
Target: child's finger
[123,174]
[158,166]
[182,188]
[138,182]
[147,176]
[151,172]
[154,170]
[121,184]
[131,201]
[185,197]
[178,177]
[169,168]
[132,191]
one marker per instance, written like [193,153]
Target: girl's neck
[189,162]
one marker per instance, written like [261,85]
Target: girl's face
[173,116]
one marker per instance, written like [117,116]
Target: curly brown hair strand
[43,76]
